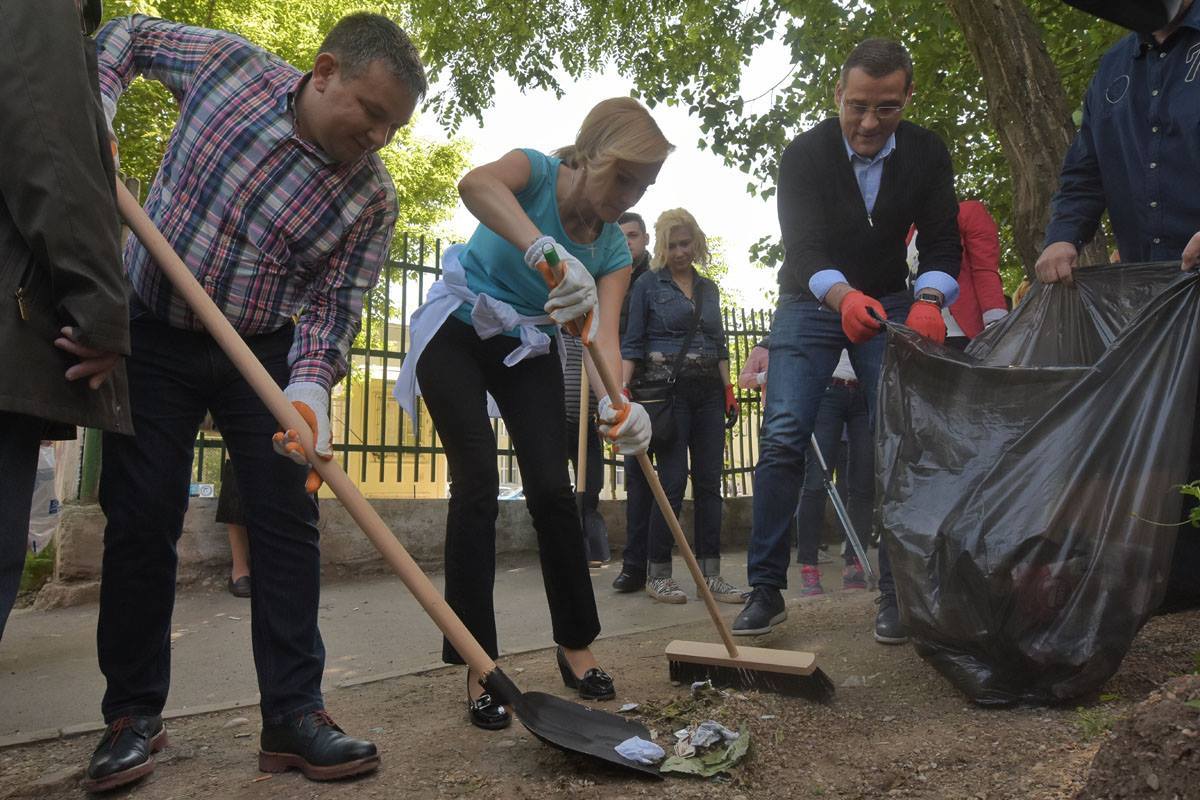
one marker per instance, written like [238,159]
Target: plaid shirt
[266,221]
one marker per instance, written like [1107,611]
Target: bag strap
[687,341]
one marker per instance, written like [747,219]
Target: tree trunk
[1028,108]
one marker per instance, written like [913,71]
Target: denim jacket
[660,315]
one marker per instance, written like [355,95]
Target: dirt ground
[895,730]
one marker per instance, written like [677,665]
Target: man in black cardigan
[849,189]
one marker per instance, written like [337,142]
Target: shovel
[560,723]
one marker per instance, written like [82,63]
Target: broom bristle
[815,686]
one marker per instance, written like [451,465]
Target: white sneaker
[665,590]
[725,592]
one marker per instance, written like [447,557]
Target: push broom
[789,672]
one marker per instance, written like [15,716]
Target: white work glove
[312,401]
[627,427]
[574,292]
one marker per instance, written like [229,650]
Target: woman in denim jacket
[661,306]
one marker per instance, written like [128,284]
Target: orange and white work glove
[628,426]
[312,401]
[572,289]
[926,319]
[857,322]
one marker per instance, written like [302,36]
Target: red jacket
[979,286]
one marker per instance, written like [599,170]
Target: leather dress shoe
[889,629]
[315,745]
[628,582]
[596,684]
[486,713]
[125,753]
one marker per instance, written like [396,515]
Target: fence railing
[389,455]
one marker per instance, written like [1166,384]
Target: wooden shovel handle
[272,396]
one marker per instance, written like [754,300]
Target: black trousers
[20,438]
[455,371]
[174,377]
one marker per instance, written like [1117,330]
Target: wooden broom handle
[330,471]
[664,505]
[582,443]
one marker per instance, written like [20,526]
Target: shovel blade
[575,728]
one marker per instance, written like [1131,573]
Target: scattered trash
[710,732]
[261,778]
[684,749]
[236,619]
[705,689]
[640,751]
[859,680]
[720,757]
[236,722]
[243,735]
[625,709]
[768,716]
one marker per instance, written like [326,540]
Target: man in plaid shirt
[272,193]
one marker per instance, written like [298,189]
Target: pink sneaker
[853,576]
[810,581]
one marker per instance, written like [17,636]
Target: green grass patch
[39,568]
[1092,722]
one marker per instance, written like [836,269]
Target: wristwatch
[930,297]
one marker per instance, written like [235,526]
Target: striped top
[267,222]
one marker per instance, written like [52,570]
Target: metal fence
[388,455]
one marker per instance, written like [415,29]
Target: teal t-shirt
[496,268]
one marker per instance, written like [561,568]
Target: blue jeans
[842,407]
[174,377]
[806,342]
[700,430]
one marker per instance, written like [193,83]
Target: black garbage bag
[1019,482]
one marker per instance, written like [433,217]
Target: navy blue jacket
[1137,153]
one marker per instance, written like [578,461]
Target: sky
[692,178]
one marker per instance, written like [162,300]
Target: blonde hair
[619,128]
[677,218]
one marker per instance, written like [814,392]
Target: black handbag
[658,397]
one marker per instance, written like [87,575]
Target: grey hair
[360,38]
[879,58]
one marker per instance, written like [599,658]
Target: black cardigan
[824,219]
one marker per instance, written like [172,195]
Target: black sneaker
[125,753]
[628,582]
[888,627]
[764,610]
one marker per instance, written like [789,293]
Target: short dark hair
[360,38]
[879,58]
[632,216]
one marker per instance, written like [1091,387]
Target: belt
[848,383]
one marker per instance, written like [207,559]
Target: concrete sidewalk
[50,684]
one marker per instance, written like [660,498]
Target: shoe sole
[735,599]
[135,773]
[775,620]
[891,639]
[495,726]
[282,762]
[675,600]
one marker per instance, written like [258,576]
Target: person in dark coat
[63,320]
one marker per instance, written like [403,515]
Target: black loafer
[315,745]
[888,627]
[125,753]
[596,684]
[628,582]
[486,713]
[240,587]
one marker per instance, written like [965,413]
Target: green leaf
[1193,704]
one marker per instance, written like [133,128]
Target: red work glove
[731,407]
[926,319]
[857,321]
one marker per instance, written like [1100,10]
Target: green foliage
[425,172]
[39,568]
[691,54]
[1092,722]
[1192,490]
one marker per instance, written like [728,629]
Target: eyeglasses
[881,112]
